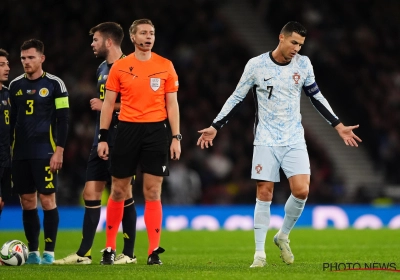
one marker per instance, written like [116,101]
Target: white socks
[262,216]
[293,209]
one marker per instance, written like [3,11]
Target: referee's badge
[155,83]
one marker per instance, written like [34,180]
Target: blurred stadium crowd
[352,46]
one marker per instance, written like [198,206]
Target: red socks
[115,211]
[153,220]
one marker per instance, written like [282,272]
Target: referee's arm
[105,120]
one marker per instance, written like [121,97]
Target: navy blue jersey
[102,75]
[5,110]
[39,116]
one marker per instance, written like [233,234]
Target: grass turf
[226,255]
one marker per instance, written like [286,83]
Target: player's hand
[346,132]
[102,150]
[175,149]
[207,136]
[56,160]
[96,104]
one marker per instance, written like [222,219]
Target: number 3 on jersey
[29,110]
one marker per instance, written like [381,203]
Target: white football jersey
[277,90]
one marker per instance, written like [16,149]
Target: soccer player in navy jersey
[277,78]
[39,121]
[5,156]
[107,39]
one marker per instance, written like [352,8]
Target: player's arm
[13,114]
[105,120]
[97,103]
[173,118]
[62,116]
[230,107]
[323,107]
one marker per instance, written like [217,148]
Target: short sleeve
[172,83]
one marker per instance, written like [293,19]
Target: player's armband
[62,102]
[311,89]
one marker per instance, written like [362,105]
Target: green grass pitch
[225,255]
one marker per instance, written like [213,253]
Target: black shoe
[108,256]
[153,258]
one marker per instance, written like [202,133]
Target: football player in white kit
[277,79]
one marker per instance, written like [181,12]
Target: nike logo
[79,260]
[267,79]
[163,168]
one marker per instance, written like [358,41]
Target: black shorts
[146,144]
[97,168]
[5,181]
[33,175]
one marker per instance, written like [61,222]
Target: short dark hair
[109,30]
[133,28]
[3,53]
[33,43]
[294,26]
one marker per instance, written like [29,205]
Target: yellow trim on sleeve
[62,102]
[52,142]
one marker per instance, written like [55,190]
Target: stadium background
[353,46]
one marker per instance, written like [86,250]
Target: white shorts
[293,159]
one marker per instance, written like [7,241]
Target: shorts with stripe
[33,175]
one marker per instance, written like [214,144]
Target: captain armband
[62,102]
[311,89]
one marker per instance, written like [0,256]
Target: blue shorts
[293,160]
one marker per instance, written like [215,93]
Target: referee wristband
[103,135]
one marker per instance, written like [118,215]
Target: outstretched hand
[346,132]
[207,136]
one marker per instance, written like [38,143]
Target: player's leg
[1,204]
[265,169]
[92,193]
[46,183]
[153,215]
[296,166]
[5,186]
[1,183]
[129,232]
[124,157]
[154,165]
[24,187]
[115,210]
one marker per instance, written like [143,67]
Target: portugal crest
[258,168]
[296,78]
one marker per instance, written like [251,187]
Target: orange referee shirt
[143,86]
